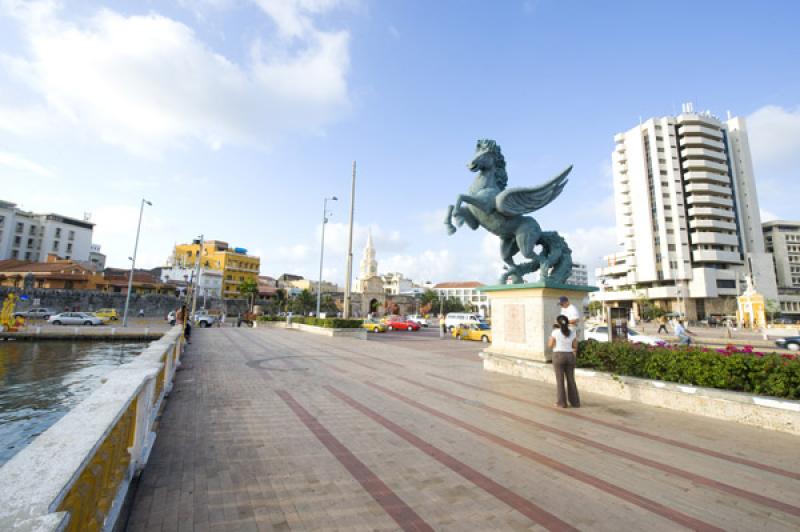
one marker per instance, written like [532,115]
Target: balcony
[710,211]
[712,255]
[713,201]
[697,129]
[704,164]
[701,142]
[702,153]
[712,224]
[707,176]
[696,188]
[710,237]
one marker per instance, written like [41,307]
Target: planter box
[765,412]
[360,334]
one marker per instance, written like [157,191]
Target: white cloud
[429,265]
[775,137]
[767,216]
[147,82]
[18,162]
[589,245]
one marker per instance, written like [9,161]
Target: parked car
[107,313]
[455,319]
[374,326]
[792,343]
[75,318]
[40,313]
[479,332]
[783,321]
[401,324]
[420,320]
[202,319]
[600,334]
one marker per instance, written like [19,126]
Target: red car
[399,324]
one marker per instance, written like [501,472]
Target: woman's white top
[563,343]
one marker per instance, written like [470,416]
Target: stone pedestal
[523,316]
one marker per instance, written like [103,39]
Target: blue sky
[236,117]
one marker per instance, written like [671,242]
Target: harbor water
[42,381]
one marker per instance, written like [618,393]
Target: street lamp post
[322,249]
[133,263]
[196,284]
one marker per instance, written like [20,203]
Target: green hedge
[328,323]
[731,368]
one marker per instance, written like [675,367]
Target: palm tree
[249,289]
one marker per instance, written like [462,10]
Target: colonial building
[234,263]
[782,239]
[687,217]
[29,236]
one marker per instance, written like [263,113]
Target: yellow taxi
[107,314]
[374,326]
[478,332]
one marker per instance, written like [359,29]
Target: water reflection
[40,382]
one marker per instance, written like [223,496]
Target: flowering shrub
[730,368]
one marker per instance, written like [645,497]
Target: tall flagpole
[348,281]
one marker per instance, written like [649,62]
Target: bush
[731,368]
[328,323]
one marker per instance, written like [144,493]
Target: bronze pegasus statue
[500,211]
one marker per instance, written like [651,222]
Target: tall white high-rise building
[687,217]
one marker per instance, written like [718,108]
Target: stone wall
[154,305]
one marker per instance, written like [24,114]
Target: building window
[55,245]
[72,235]
[17,240]
[33,230]
[20,227]
[69,248]
[58,232]
[14,254]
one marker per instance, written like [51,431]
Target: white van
[454,319]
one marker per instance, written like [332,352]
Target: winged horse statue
[500,210]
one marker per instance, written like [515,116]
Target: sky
[235,118]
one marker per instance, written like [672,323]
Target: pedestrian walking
[222,320]
[564,343]
[141,313]
[684,335]
[662,325]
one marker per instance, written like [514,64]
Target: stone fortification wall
[154,305]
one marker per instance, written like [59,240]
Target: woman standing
[564,343]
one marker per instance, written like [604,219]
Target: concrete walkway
[282,430]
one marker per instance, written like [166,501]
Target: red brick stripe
[623,428]
[622,493]
[393,505]
[697,479]
[519,503]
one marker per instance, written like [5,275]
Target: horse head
[490,164]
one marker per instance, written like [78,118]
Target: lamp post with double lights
[133,263]
[325,215]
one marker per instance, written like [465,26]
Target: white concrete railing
[76,474]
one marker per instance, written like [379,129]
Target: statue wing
[515,201]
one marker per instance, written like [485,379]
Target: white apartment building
[30,236]
[687,217]
[467,292]
[782,239]
[209,284]
[395,283]
[579,275]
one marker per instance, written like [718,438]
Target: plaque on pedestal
[523,316]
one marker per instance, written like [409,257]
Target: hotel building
[687,217]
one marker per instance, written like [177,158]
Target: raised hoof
[451,229]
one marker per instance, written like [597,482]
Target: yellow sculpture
[752,307]
[7,320]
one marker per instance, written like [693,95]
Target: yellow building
[234,263]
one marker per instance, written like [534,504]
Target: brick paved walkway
[281,430]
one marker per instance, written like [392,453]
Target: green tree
[429,296]
[303,303]
[249,288]
[773,308]
[595,307]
